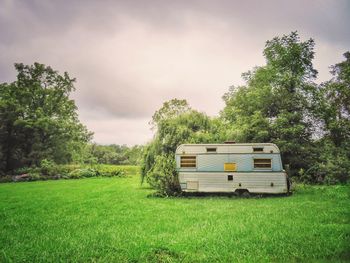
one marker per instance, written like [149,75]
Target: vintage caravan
[235,167]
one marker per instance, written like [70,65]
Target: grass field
[115,220]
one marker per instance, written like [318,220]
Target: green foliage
[331,164]
[116,220]
[48,167]
[109,170]
[280,103]
[174,127]
[38,119]
[163,175]
[50,171]
[332,110]
[81,173]
[170,109]
[291,59]
[6,179]
[332,101]
[35,176]
[274,105]
[114,154]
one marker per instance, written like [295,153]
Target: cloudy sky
[131,56]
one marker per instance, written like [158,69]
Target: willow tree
[174,123]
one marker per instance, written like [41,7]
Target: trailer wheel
[243,193]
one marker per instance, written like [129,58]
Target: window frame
[211,149]
[263,168]
[261,149]
[194,157]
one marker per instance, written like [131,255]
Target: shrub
[24,170]
[48,170]
[81,173]
[332,166]
[34,176]
[6,179]
[76,174]
[48,167]
[163,176]
[64,170]
[109,171]
[112,173]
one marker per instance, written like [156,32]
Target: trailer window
[258,149]
[188,161]
[262,163]
[211,150]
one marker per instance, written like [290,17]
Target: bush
[332,167]
[102,170]
[24,170]
[82,173]
[6,179]
[112,173]
[109,171]
[48,167]
[34,176]
[164,177]
[48,170]
[64,170]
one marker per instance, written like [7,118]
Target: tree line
[280,102]
[114,154]
[39,121]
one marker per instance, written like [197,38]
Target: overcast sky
[131,56]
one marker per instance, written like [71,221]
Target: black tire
[243,193]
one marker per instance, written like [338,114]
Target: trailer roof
[228,148]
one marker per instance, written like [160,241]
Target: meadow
[118,220]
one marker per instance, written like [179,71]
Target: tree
[279,103]
[115,154]
[333,103]
[38,120]
[332,110]
[175,123]
[274,105]
[170,109]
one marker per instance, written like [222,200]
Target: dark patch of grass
[112,220]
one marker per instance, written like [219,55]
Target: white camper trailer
[240,168]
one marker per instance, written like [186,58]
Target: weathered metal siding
[245,162]
[209,174]
[259,182]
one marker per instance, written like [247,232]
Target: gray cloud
[130,56]
[327,19]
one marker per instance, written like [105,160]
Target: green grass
[114,220]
